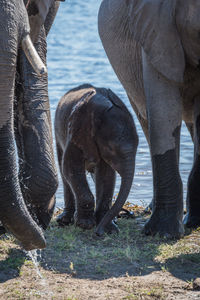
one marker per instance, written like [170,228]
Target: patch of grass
[17,293]
[72,252]
[100,269]
[127,253]
[13,260]
[102,255]
[88,253]
[130,297]
[156,292]
[6,242]
[164,268]
[186,246]
[148,293]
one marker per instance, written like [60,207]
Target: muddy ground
[76,265]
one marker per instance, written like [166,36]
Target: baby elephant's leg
[67,217]
[74,172]
[105,184]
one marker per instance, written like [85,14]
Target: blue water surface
[76,56]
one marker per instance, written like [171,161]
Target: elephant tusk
[33,56]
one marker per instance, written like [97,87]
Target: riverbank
[77,266]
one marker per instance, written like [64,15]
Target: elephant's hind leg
[73,170]
[67,216]
[192,218]
[105,184]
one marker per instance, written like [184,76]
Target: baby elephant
[96,133]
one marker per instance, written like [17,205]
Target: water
[76,56]
[35,256]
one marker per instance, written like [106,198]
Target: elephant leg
[105,184]
[73,170]
[192,218]
[143,122]
[67,216]
[144,125]
[37,172]
[164,111]
[190,127]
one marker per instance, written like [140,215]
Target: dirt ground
[77,266]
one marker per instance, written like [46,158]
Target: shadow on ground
[10,267]
[76,252]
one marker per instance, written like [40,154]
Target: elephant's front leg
[164,112]
[37,172]
[73,170]
[192,218]
[105,184]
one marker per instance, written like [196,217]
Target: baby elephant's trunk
[126,174]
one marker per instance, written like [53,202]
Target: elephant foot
[165,223]
[65,218]
[111,228]
[192,222]
[85,222]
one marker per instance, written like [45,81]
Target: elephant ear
[116,100]
[153,25]
[37,12]
[80,128]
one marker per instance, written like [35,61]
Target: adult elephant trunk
[126,172]
[13,212]
[33,132]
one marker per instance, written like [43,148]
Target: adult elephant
[154,48]
[35,185]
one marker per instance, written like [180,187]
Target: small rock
[196,284]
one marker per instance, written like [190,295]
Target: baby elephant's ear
[153,25]
[116,100]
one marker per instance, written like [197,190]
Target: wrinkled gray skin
[154,48]
[94,132]
[36,182]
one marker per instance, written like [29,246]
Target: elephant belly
[90,166]
[123,52]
